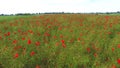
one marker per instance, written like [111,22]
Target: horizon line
[56,12]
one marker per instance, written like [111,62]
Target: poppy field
[60,41]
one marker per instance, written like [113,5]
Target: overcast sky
[36,6]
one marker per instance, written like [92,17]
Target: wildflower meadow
[60,41]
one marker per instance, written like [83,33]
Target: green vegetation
[60,41]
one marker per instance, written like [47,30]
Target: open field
[60,41]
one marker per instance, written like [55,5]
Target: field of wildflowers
[60,41]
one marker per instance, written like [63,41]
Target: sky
[41,6]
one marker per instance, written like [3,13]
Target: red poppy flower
[5,34]
[106,17]
[37,43]
[49,26]
[62,41]
[16,55]
[17,47]
[118,61]
[0,37]
[37,66]
[57,44]
[60,28]
[46,34]
[61,36]
[63,45]
[23,38]
[113,49]
[14,41]
[95,54]
[30,31]
[118,45]
[32,53]
[8,34]
[29,41]
[113,66]
[19,30]
[54,37]
[88,49]
[79,39]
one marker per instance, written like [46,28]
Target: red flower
[46,34]
[61,36]
[17,47]
[60,28]
[23,38]
[8,34]
[37,66]
[118,61]
[113,49]
[63,45]
[0,37]
[109,32]
[79,39]
[54,37]
[19,30]
[57,44]
[118,45]
[62,41]
[95,54]
[29,41]
[49,26]
[88,49]
[113,66]
[37,43]
[106,17]
[30,31]
[16,55]
[32,53]
[15,41]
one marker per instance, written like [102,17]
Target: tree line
[18,14]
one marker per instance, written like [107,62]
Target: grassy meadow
[60,41]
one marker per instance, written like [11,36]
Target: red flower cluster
[63,43]
[7,34]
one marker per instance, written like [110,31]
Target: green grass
[91,41]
